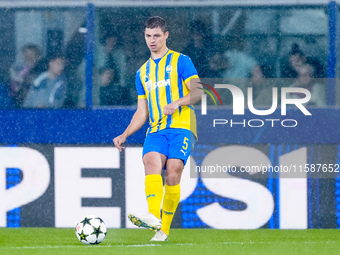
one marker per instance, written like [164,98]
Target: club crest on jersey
[168,69]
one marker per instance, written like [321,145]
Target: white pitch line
[260,242]
[38,247]
[142,245]
[290,242]
[154,245]
[76,246]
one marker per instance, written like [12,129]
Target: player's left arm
[192,97]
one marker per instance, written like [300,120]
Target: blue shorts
[171,142]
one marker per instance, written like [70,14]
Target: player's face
[155,39]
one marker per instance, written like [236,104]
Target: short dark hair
[32,47]
[296,50]
[155,22]
[108,33]
[56,55]
[198,26]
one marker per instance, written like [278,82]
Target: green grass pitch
[51,241]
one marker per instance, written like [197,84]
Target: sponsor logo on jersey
[151,86]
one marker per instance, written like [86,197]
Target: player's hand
[170,108]
[119,141]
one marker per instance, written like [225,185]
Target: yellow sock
[170,203]
[154,193]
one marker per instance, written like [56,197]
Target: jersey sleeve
[139,86]
[186,68]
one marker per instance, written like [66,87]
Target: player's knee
[173,174]
[173,179]
[151,166]
[148,162]
[174,166]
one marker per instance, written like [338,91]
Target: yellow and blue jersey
[163,81]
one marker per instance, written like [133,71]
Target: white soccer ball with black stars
[91,230]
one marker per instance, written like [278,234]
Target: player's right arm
[139,118]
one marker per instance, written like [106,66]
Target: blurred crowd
[58,79]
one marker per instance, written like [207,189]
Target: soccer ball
[91,230]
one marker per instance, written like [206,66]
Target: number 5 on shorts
[185,142]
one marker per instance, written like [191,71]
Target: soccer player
[167,86]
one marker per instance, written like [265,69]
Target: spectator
[199,48]
[240,64]
[217,65]
[296,59]
[75,69]
[262,88]
[111,92]
[110,55]
[22,76]
[49,89]
[306,80]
